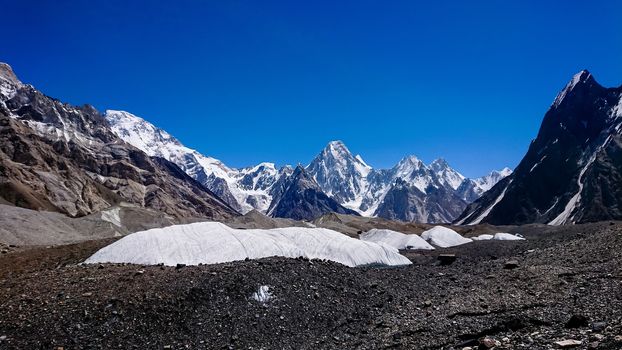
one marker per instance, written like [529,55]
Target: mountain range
[410,191]
[63,158]
[572,171]
[78,161]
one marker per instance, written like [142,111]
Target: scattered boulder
[511,264]
[599,326]
[488,343]
[568,343]
[446,259]
[577,321]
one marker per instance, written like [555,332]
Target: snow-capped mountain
[572,172]
[244,189]
[445,174]
[341,175]
[486,182]
[63,158]
[303,199]
[417,192]
[410,191]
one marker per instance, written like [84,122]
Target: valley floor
[48,301]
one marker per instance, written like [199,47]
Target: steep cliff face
[572,170]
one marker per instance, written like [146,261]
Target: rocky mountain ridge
[63,158]
[341,175]
[572,172]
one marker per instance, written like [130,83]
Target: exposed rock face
[57,157]
[572,172]
[302,199]
[406,202]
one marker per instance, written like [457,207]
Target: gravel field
[561,288]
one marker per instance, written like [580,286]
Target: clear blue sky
[251,81]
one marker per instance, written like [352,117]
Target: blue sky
[251,81]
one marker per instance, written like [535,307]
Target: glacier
[213,243]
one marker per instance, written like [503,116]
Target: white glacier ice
[212,243]
[444,237]
[395,239]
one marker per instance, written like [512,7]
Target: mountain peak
[505,171]
[6,73]
[439,163]
[412,160]
[337,149]
[336,143]
[582,78]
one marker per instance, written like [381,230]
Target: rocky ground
[560,288]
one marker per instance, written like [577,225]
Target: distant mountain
[441,192]
[434,193]
[58,157]
[302,199]
[341,175]
[243,189]
[472,189]
[572,172]
[410,191]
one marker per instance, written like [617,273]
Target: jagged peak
[6,73]
[263,165]
[339,155]
[336,143]
[337,149]
[581,78]
[411,159]
[440,163]
[505,171]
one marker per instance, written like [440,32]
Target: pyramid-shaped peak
[336,143]
[583,79]
[337,148]
[583,76]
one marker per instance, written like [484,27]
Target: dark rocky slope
[572,172]
[302,199]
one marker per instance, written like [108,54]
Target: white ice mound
[395,239]
[507,237]
[499,237]
[212,243]
[444,237]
